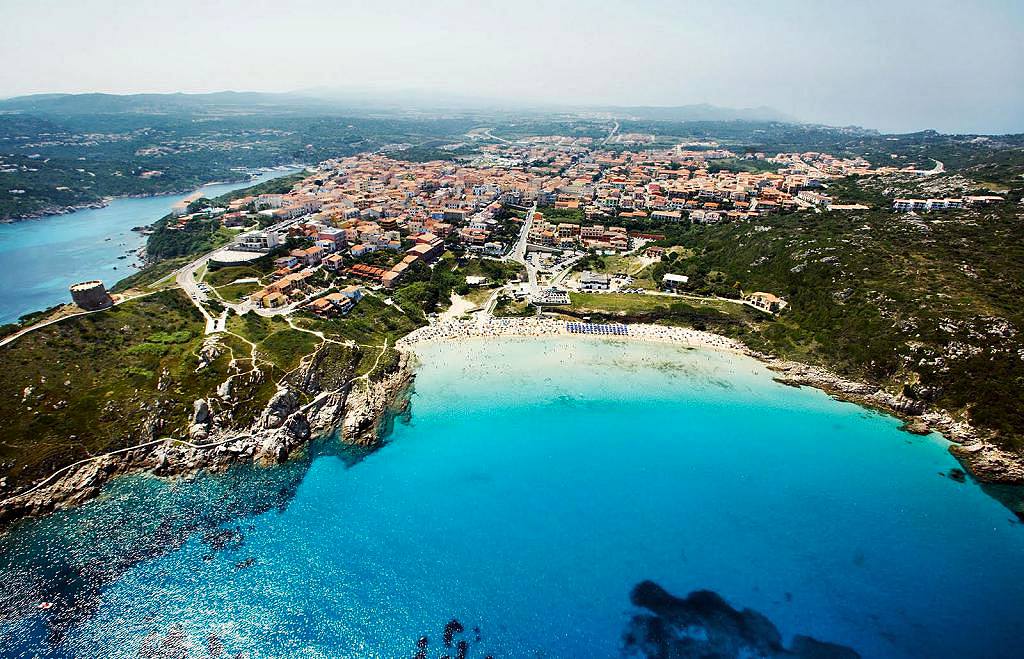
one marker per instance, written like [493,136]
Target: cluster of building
[907,205]
[368,203]
[568,235]
[336,304]
[350,208]
[372,202]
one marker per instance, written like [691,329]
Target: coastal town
[470,330]
[547,203]
[548,236]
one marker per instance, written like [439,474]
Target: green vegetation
[196,236]
[228,275]
[370,323]
[496,272]
[741,165]
[429,289]
[277,185]
[286,347]
[718,316]
[927,306]
[93,383]
[236,292]
[507,307]
[253,326]
[432,151]
[562,215]
[152,277]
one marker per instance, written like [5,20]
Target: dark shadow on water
[1011,496]
[704,625]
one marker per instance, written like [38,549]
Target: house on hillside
[766,302]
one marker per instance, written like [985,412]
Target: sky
[897,65]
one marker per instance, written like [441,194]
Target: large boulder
[200,411]
[281,406]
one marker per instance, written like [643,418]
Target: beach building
[672,282]
[594,281]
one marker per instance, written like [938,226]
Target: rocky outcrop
[200,412]
[281,406]
[355,406]
[368,402]
[990,463]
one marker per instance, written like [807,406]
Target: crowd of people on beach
[447,330]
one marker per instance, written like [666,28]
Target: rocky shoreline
[355,410]
[973,447]
[47,211]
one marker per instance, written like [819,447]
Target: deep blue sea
[40,258]
[533,485]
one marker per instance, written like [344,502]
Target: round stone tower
[91,295]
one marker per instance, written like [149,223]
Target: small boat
[45,605]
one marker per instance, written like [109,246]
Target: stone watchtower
[91,295]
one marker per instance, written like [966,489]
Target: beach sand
[447,330]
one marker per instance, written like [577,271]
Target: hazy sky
[894,65]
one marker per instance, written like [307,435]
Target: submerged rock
[703,624]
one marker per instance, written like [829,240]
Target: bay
[533,485]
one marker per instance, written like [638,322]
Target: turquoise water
[42,257]
[532,487]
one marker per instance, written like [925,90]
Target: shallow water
[533,486]
[42,257]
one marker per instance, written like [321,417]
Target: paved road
[612,133]
[518,252]
[186,279]
[491,135]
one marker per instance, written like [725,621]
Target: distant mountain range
[346,101]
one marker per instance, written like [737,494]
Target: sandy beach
[447,330]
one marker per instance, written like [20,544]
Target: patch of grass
[181,336]
[562,215]
[479,296]
[509,308]
[252,326]
[287,347]
[369,323]
[149,277]
[497,272]
[225,276]
[236,292]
